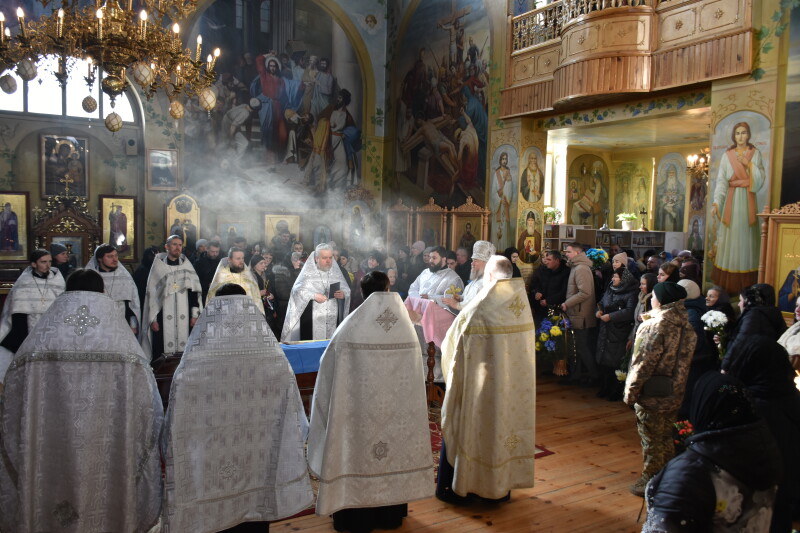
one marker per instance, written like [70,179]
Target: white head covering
[80,425]
[370,445]
[233,439]
[692,290]
[483,250]
[119,286]
[311,281]
[29,296]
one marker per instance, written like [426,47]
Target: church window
[239,14]
[266,15]
[43,95]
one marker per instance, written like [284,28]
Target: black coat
[763,366]
[682,497]
[696,308]
[553,286]
[759,320]
[619,303]
[206,268]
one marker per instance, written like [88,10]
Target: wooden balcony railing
[576,53]
[575,8]
[536,27]
[544,24]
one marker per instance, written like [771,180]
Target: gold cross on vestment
[453,290]
[517,306]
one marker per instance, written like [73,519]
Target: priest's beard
[236,269]
[475,274]
[104,268]
[437,268]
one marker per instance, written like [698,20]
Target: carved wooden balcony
[572,54]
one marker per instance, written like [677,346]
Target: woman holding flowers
[615,313]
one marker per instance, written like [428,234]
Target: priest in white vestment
[119,284]
[437,281]
[32,294]
[233,270]
[235,429]
[320,299]
[172,302]
[80,422]
[489,411]
[482,251]
[369,442]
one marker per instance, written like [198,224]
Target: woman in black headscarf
[727,478]
[615,318]
[763,366]
[759,314]
[512,254]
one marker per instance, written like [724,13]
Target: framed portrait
[466,229]
[548,233]
[356,226]
[63,165]
[118,223]
[398,225]
[606,239]
[321,234]
[14,224]
[163,170]
[183,218]
[564,246]
[277,225]
[77,248]
[570,232]
[468,223]
[229,231]
[431,221]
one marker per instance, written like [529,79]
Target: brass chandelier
[142,43]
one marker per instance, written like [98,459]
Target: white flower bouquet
[715,322]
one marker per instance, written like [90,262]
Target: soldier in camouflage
[663,349]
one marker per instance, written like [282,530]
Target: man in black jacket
[548,285]
[206,266]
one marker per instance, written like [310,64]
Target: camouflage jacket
[664,346]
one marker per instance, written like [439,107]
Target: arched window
[239,14]
[44,95]
[266,15]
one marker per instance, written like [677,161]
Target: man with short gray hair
[497,268]
[320,299]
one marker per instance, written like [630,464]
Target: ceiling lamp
[144,41]
[697,164]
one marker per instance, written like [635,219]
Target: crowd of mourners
[721,394]
[716,405]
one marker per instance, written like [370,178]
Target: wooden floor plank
[582,487]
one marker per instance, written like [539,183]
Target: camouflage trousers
[655,430]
